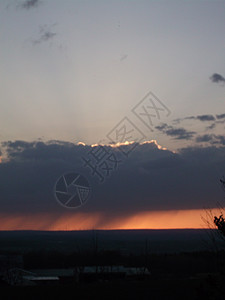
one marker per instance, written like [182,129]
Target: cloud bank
[150,179]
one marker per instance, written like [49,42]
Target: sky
[143,81]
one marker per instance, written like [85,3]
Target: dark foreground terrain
[126,241]
[163,289]
[166,264]
[155,289]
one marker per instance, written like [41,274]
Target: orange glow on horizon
[179,219]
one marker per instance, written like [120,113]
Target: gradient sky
[71,70]
[103,58]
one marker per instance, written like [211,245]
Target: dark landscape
[133,264]
[124,241]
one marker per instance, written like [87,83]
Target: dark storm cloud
[217,78]
[149,179]
[177,133]
[39,150]
[28,4]
[211,138]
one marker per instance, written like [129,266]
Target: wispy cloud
[210,127]
[211,138]
[123,57]
[202,118]
[205,118]
[45,34]
[29,4]
[217,78]
[177,133]
[220,119]
[222,116]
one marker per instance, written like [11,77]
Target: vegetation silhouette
[220,221]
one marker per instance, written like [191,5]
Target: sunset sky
[75,75]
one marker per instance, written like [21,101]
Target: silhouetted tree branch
[220,221]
